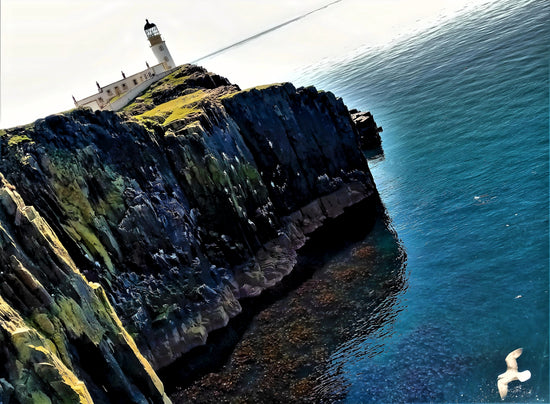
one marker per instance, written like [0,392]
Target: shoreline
[275,260]
[284,328]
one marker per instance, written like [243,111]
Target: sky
[51,50]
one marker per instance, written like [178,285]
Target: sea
[458,276]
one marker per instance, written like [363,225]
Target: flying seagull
[511,373]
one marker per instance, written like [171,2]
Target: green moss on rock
[175,109]
[17,139]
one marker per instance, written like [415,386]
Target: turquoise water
[464,178]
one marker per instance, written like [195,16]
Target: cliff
[149,225]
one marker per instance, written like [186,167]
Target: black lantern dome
[151,30]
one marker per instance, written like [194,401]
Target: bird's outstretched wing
[502,388]
[511,359]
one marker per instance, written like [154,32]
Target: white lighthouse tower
[158,46]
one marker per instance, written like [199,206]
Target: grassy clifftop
[178,95]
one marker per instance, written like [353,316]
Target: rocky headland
[127,237]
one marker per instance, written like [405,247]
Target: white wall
[144,79]
[163,54]
[134,92]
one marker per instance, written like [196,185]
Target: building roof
[148,25]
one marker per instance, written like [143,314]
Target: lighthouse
[158,46]
[118,94]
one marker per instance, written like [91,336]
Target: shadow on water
[346,282]
[375,155]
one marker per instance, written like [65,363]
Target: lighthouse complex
[116,95]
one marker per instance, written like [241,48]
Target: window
[109,92]
[135,82]
[161,48]
[123,86]
[166,58]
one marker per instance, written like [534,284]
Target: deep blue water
[465,179]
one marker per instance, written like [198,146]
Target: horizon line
[267,31]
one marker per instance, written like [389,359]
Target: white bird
[511,373]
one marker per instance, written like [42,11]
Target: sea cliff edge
[127,237]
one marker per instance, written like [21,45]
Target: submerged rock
[149,225]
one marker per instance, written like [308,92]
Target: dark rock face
[369,132]
[303,140]
[173,220]
[60,338]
